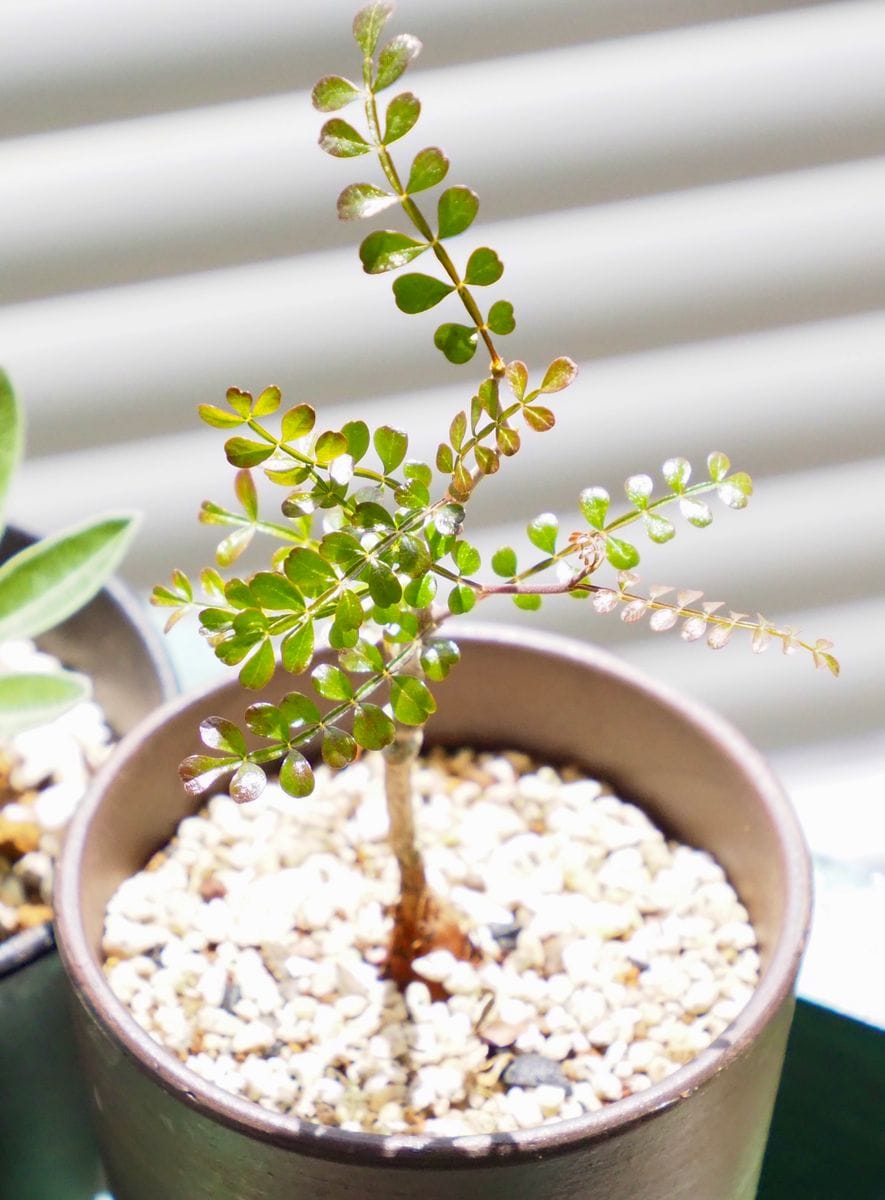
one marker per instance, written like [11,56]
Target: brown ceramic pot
[46,1146]
[699,1135]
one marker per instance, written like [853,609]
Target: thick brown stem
[421,922]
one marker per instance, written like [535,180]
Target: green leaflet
[456,210]
[386,250]
[457,342]
[47,582]
[402,113]
[429,167]
[394,58]
[417,293]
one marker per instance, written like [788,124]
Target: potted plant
[369,564]
[58,591]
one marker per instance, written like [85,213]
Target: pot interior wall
[508,696]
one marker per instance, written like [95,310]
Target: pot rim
[292,1133]
[22,948]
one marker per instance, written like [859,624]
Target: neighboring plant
[44,584]
[372,559]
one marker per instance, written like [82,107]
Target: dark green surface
[828,1134]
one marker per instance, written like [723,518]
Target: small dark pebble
[505,934]
[232,996]
[533,1070]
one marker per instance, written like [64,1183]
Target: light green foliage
[46,583]
[370,555]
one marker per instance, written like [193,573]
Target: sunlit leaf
[622,555]
[362,659]
[248,783]
[339,748]
[360,200]
[467,558]
[461,483]
[368,23]
[449,519]
[538,418]
[507,440]
[420,592]
[516,374]
[296,776]
[220,734]
[418,293]
[297,649]
[429,168]
[308,571]
[457,342]
[483,268]
[677,472]
[718,465]
[394,58]
[696,512]
[219,418]
[402,113]
[639,488]
[298,711]
[333,92]
[298,422]
[264,720]
[486,459]
[462,599]
[331,683]
[329,446]
[456,210]
[594,502]
[500,319]
[438,658]
[200,771]
[659,529]
[244,452]
[558,375]
[267,402]
[386,250]
[445,460]
[258,670]
[244,487]
[341,140]
[384,587]
[372,727]
[504,562]
[527,602]
[231,547]
[542,532]
[239,400]
[356,434]
[736,490]
[411,700]
[390,446]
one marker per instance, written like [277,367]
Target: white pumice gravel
[44,773]
[607,957]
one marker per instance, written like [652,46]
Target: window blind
[689,197]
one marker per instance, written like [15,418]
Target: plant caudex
[44,584]
[371,555]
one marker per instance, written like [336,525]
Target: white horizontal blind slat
[69,62]
[115,202]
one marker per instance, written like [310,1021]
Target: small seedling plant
[371,558]
[43,585]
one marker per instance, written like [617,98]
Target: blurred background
[689,196]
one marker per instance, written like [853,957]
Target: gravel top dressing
[606,956]
[44,773]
